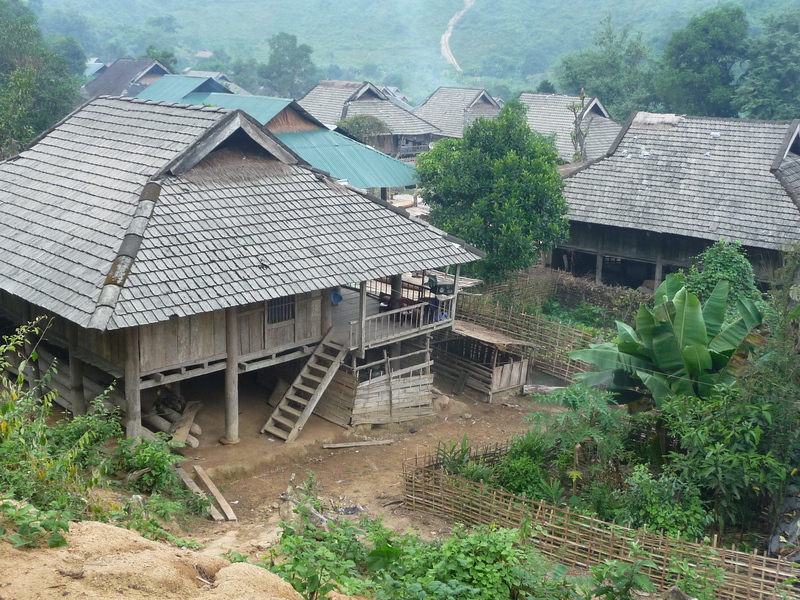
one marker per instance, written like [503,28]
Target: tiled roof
[232,223]
[453,109]
[174,88]
[549,114]
[326,100]
[698,177]
[400,121]
[121,78]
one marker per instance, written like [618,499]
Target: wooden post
[325,311]
[133,397]
[362,315]
[598,268]
[385,194]
[77,396]
[455,292]
[397,290]
[659,266]
[231,377]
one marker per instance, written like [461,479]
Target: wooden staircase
[301,398]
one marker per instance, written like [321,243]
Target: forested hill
[387,41]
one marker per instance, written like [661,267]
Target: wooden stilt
[231,378]
[133,397]
[77,397]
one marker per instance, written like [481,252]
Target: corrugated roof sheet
[452,110]
[362,166]
[694,176]
[549,114]
[234,228]
[174,88]
[262,108]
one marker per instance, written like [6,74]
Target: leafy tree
[700,63]
[618,68]
[498,188]
[724,261]
[364,127]
[545,87]
[36,88]
[165,57]
[679,348]
[70,50]
[289,70]
[770,89]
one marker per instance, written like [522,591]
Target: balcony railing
[402,323]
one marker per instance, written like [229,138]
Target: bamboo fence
[580,541]
[553,340]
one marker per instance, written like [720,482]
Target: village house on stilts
[165,242]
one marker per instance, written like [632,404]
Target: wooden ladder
[301,398]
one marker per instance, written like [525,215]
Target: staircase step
[283,420]
[278,433]
[305,388]
[294,398]
[292,411]
[311,377]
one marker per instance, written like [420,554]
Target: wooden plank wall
[511,375]
[336,404]
[182,341]
[401,395]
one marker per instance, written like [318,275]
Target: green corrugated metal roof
[362,166]
[261,108]
[175,88]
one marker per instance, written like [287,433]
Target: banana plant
[678,348]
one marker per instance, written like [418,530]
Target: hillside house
[125,77]
[452,110]
[671,185]
[332,101]
[167,242]
[330,151]
[551,115]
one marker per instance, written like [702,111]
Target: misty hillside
[391,41]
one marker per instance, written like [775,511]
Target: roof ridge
[126,255]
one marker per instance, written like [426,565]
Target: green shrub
[665,503]
[149,464]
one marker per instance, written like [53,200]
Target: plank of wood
[183,425]
[357,444]
[226,508]
[212,510]
[459,385]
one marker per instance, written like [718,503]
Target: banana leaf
[608,357]
[666,351]
[688,325]
[658,384]
[729,338]
[697,360]
[714,310]
[667,290]
[751,316]
[645,322]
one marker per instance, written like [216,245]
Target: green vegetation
[498,188]
[48,472]
[679,347]
[364,128]
[36,86]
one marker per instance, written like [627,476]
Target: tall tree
[498,188]
[289,70]
[700,63]
[36,88]
[770,89]
[618,68]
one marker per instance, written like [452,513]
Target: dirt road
[444,43]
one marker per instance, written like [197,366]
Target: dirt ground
[254,472]
[102,561]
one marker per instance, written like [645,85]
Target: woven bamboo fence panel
[580,541]
[553,340]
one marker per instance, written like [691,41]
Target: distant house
[169,242]
[219,77]
[671,185]
[332,101]
[452,110]
[125,77]
[94,66]
[396,95]
[329,151]
[550,114]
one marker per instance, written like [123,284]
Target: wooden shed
[486,361]
[166,242]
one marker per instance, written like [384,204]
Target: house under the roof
[125,77]
[332,101]
[671,185]
[330,151]
[552,115]
[452,110]
[167,242]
